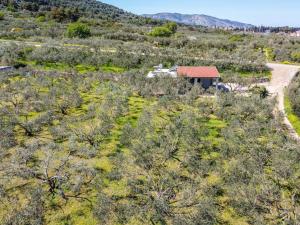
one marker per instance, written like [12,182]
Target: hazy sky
[257,12]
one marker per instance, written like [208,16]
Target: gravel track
[282,75]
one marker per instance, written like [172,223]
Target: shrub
[164,31]
[294,94]
[79,30]
[1,16]
[237,38]
[172,26]
[161,32]
[41,19]
[296,56]
[261,91]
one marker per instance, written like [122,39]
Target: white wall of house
[162,73]
[5,68]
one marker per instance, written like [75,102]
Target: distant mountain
[195,19]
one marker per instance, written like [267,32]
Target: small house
[207,76]
[295,34]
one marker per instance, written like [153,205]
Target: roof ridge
[198,71]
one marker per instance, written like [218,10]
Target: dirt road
[282,75]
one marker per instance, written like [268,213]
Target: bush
[294,94]
[164,31]
[296,56]
[79,30]
[172,26]
[237,38]
[161,32]
[1,16]
[41,19]
[261,91]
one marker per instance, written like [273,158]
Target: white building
[5,68]
[207,76]
[296,34]
[160,72]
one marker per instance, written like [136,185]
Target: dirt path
[282,75]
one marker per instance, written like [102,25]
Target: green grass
[136,106]
[229,216]
[80,212]
[214,127]
[256,75]
[247,74]
[290,63]
[85,69]
[112,69]
[293,118]
[287,62]
[80,68]
[55,66]
[269,54]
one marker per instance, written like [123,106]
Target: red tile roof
[198,71]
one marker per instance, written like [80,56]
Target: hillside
[89,8]
[200,20]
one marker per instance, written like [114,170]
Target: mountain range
[197,19]
[94,8]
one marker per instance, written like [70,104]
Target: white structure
[296,34]
[160,72]
[206,76]
[5,68]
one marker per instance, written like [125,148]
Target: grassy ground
[293,118]
[247,74]
[257,75]
[269,54]
[112,69]
[81,212]
[80,68]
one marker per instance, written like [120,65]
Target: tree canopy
[78,30]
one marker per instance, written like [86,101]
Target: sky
[256,12]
